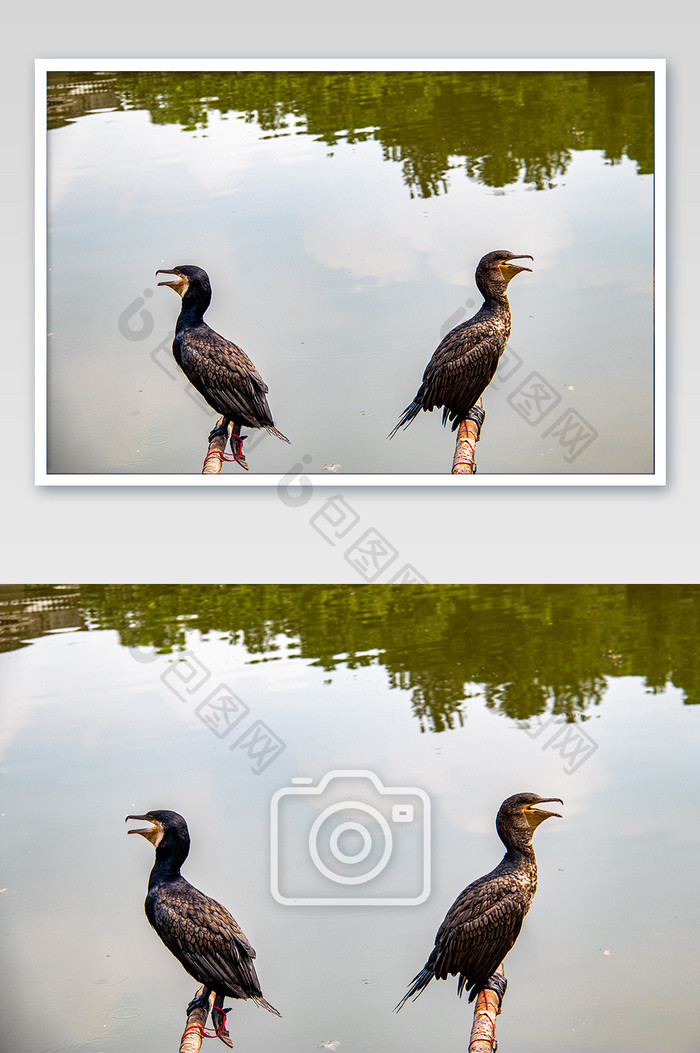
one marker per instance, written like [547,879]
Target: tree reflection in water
[498,128]
[527,649]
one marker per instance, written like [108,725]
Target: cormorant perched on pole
[484,921]
[203,936]
[217,368]
[466,360]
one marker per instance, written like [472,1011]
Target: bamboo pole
[487,1008]
[464,462]
[191,1040]
[216,451]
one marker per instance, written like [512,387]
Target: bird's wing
[206,940]
[459,371]
[477,932]
[222,372]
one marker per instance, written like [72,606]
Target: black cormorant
[483,923]
[466,359]
[217,368]
[203,936]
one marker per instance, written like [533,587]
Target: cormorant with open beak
[217,368]
[466,360]
[484,921]
[203,936]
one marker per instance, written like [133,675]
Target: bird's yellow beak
[179,285]
[510,269]
[533,814]
[150,833]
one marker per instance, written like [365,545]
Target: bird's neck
[493,289]
[496,312]
[165,868]
[496,300]
[191,313]
[520,852]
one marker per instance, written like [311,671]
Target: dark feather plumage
[466,360]
[483,923]
[220,370]
[204,937]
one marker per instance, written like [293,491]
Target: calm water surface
[468,694]
[340,218]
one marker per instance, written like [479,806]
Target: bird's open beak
[511,269]
[176,285]
[150,833]
[535,815]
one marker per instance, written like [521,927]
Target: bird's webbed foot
[199,1001]
[498,983]
[236,443]
[218,1017]
[237,446]
[219,430]
[478,415]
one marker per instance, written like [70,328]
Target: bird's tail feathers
[463,982]
[273,431]
[417,984]
[406,417]
[452,417]
[264,1004]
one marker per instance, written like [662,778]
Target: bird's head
[519,816]
[496,269]
[166,829]
[189,279]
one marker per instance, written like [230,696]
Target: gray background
[523,534]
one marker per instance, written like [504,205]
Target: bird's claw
[478,415]
[497,983]
[237,445]
[236,442]
[198,1002]
[219,430]
[237,450]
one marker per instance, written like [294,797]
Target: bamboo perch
[487,1008]
[217,448]
[191,1040]
[464,462]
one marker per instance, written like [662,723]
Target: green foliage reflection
[527,649]
[499,128]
